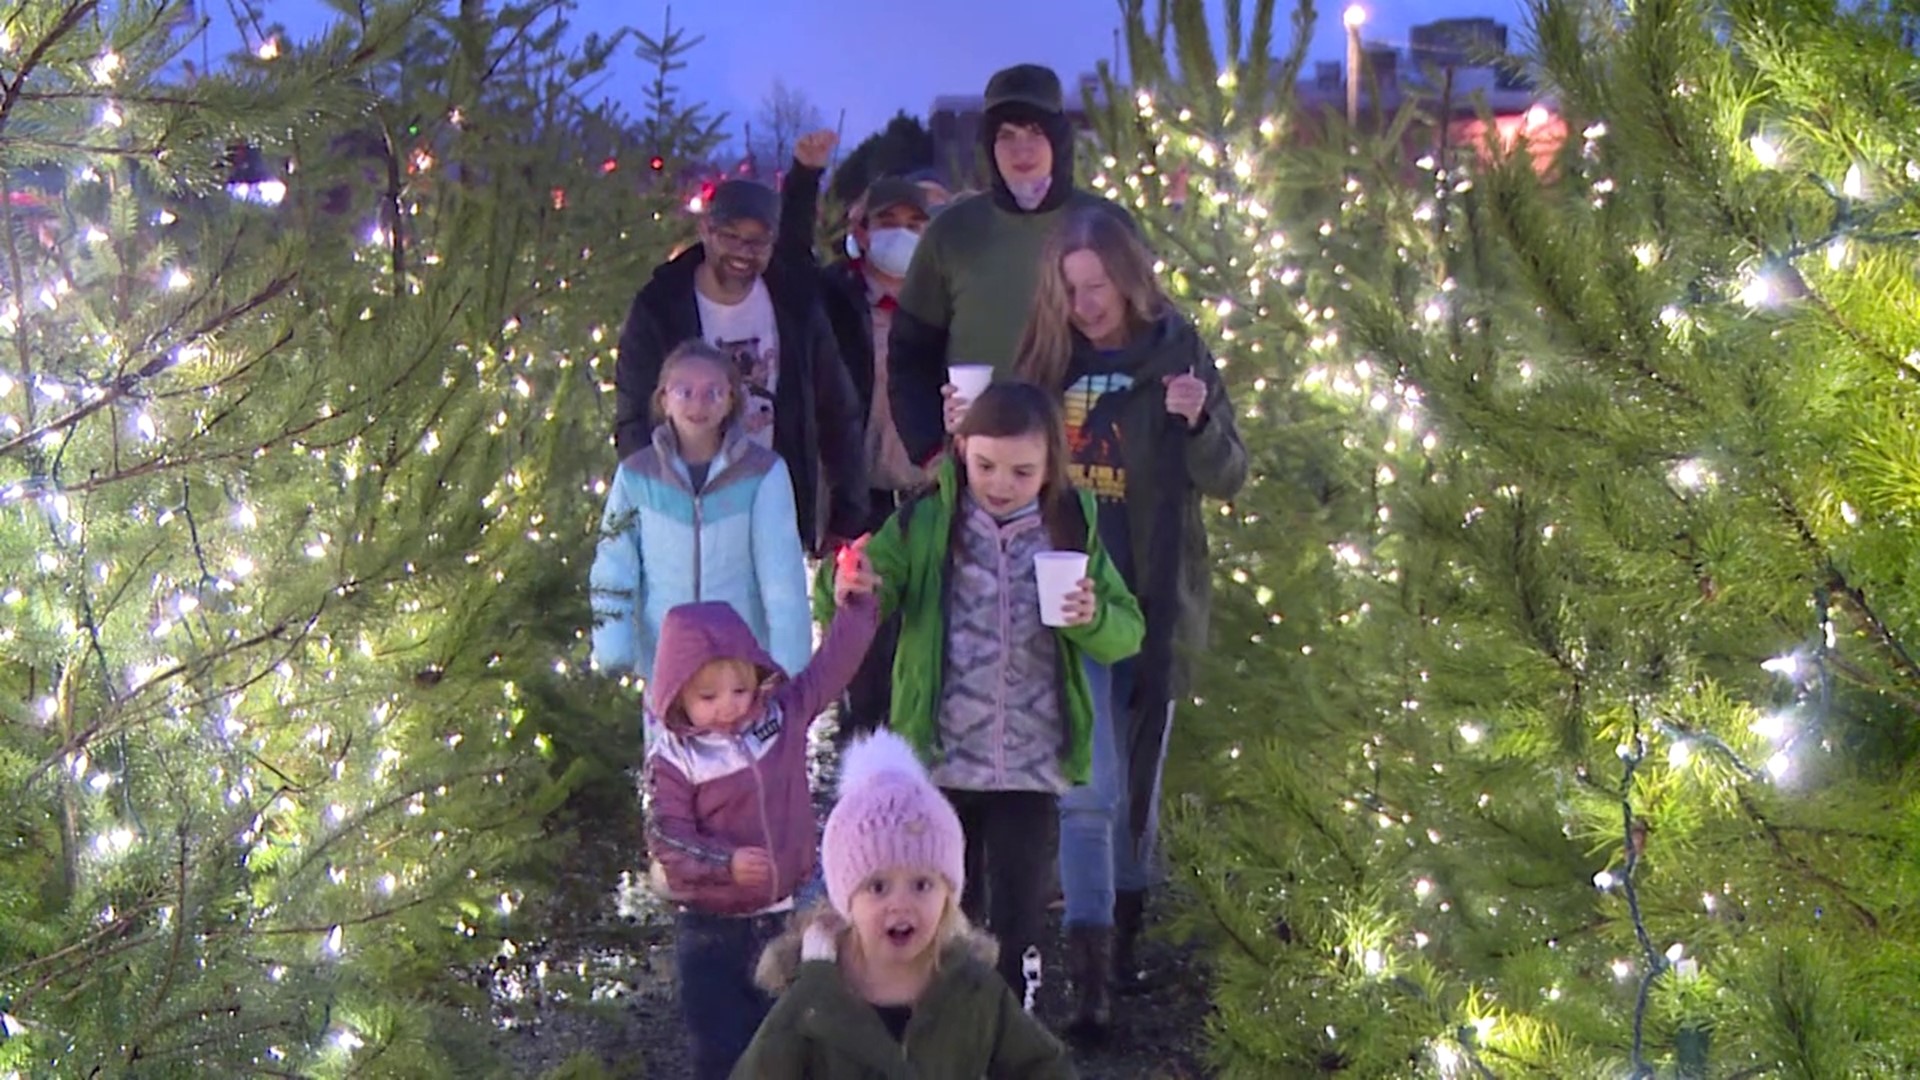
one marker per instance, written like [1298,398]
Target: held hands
[853,573]
[815,148]
[1079,605]
[752,867]
[1186,396]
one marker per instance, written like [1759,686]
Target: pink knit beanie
[889,816]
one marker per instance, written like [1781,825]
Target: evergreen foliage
[1564,712]
[902,147]
[294,506]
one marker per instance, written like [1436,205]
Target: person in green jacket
[973,273]
[991,692]
[1150,432]
[890,982]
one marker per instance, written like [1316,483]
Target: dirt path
[597,991]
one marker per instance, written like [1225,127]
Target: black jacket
[818,422]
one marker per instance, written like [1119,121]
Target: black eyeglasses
[733,241]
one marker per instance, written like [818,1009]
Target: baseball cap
[1032,87]
[744,200]
[895,191]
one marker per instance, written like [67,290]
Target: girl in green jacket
[890,982]
[995,700]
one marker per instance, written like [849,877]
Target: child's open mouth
[900,933]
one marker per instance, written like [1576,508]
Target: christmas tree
[1564,711]
[300,426]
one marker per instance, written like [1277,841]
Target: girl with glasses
[701,513]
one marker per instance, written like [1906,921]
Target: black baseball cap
[744,200]
[895,191]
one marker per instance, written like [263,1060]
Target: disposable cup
[970,380]
[1058,573]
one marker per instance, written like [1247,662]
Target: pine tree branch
[22,336]
[180,909]
[127,384]
[1856,598]
[70,21]
[80,740]
[1779,843]
[1836,581]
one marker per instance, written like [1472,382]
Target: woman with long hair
[1150,431]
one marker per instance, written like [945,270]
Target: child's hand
[1079,605]
[752,867]
[953,407]
[853,573]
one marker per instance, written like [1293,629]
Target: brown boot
[1090,966]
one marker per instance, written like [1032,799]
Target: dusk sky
[873,57]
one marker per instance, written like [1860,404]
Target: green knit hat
[1030,85]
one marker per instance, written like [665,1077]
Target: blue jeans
[714,957]
[1136,867]
[1097,852]
[1088,815]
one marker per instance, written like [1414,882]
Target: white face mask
[1030,194]
[891,250]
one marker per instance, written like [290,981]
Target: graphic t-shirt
[1093,406]
[748,333]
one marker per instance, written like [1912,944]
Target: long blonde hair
[1046,348]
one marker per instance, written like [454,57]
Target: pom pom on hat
[889,816]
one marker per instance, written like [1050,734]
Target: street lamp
[1355,17]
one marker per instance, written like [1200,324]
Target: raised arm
[841,652]
[799,207]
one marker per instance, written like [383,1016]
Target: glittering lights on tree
[1564,702]
[295,474]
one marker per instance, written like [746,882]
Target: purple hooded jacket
[710,793]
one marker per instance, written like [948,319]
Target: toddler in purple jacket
[730,826]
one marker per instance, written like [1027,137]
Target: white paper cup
[1058,573]
[970,380]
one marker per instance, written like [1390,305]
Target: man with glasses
[800,398]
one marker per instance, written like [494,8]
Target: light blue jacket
[662,544]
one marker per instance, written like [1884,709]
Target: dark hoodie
[1148,470]
[818,421]
[970,288]
[710,794]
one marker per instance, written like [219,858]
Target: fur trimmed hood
[816,934]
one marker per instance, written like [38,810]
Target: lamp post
[1355,17]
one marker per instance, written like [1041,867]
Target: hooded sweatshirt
[710,794]
[970,287]
[1147,470]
